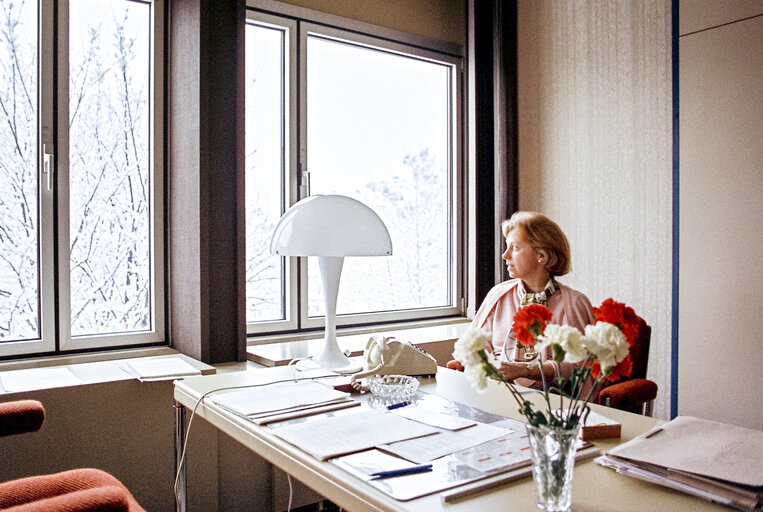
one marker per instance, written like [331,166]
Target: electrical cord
[291,493]
[226,388]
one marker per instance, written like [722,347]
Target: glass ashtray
[393,387]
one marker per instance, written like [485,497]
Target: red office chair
[636,393]
[78,490]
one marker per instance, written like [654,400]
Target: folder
[717,461]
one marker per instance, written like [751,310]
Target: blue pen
[397,405]
[401,472]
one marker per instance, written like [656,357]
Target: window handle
[304,187]
[48,163]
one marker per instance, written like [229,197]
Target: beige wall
[595,150]
[720,362]
[443,20]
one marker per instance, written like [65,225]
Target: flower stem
[493,372]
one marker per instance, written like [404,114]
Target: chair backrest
[20,416]
[640,352]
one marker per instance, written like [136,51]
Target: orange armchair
[636,393]
[78,490]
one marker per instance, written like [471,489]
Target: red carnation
[621,370]
[619,314]
[530,322]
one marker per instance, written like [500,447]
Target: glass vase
[553,458]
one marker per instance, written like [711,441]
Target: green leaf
[572,421]
[558,352]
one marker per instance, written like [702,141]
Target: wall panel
[595,154]
[720,365]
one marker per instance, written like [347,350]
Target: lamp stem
[330,356]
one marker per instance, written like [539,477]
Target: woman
[536,253]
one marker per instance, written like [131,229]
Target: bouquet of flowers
[600,354]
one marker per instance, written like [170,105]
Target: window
[96,160]
[369,118]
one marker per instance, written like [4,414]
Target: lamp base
[305,365]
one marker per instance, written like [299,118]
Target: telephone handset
[390,356]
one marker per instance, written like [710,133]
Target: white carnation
[467,350]
[607,343]
[476,376]
[568,338]
[469,344]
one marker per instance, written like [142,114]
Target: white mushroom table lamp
[331,227]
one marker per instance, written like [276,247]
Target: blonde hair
[544,235]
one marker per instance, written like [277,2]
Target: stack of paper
[719,462]
[284,400]
[160,368]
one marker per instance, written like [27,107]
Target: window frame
[53,236]
[155,333]
[289,186]
[327,26]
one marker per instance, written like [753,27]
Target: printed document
[278,398]
[350,433]
[425,449]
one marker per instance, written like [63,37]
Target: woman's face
[522,261]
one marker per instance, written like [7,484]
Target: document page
[351,433]
[446,473]
[281,397]
[160,368]
[425,449]
[28,380]
[436,419]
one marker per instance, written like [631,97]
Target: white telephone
[390,356]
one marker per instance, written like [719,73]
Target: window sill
[437,339]
[92,368]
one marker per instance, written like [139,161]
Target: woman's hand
[521,370]
[514,370]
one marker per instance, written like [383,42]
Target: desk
[594,488]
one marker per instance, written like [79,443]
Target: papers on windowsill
[15,381]
[715,461]
[150,369]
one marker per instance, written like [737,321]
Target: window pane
[265,168]
[109,175]
[378,130]
[19,212]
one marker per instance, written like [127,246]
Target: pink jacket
[569,307]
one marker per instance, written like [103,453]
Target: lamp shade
[330,225]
